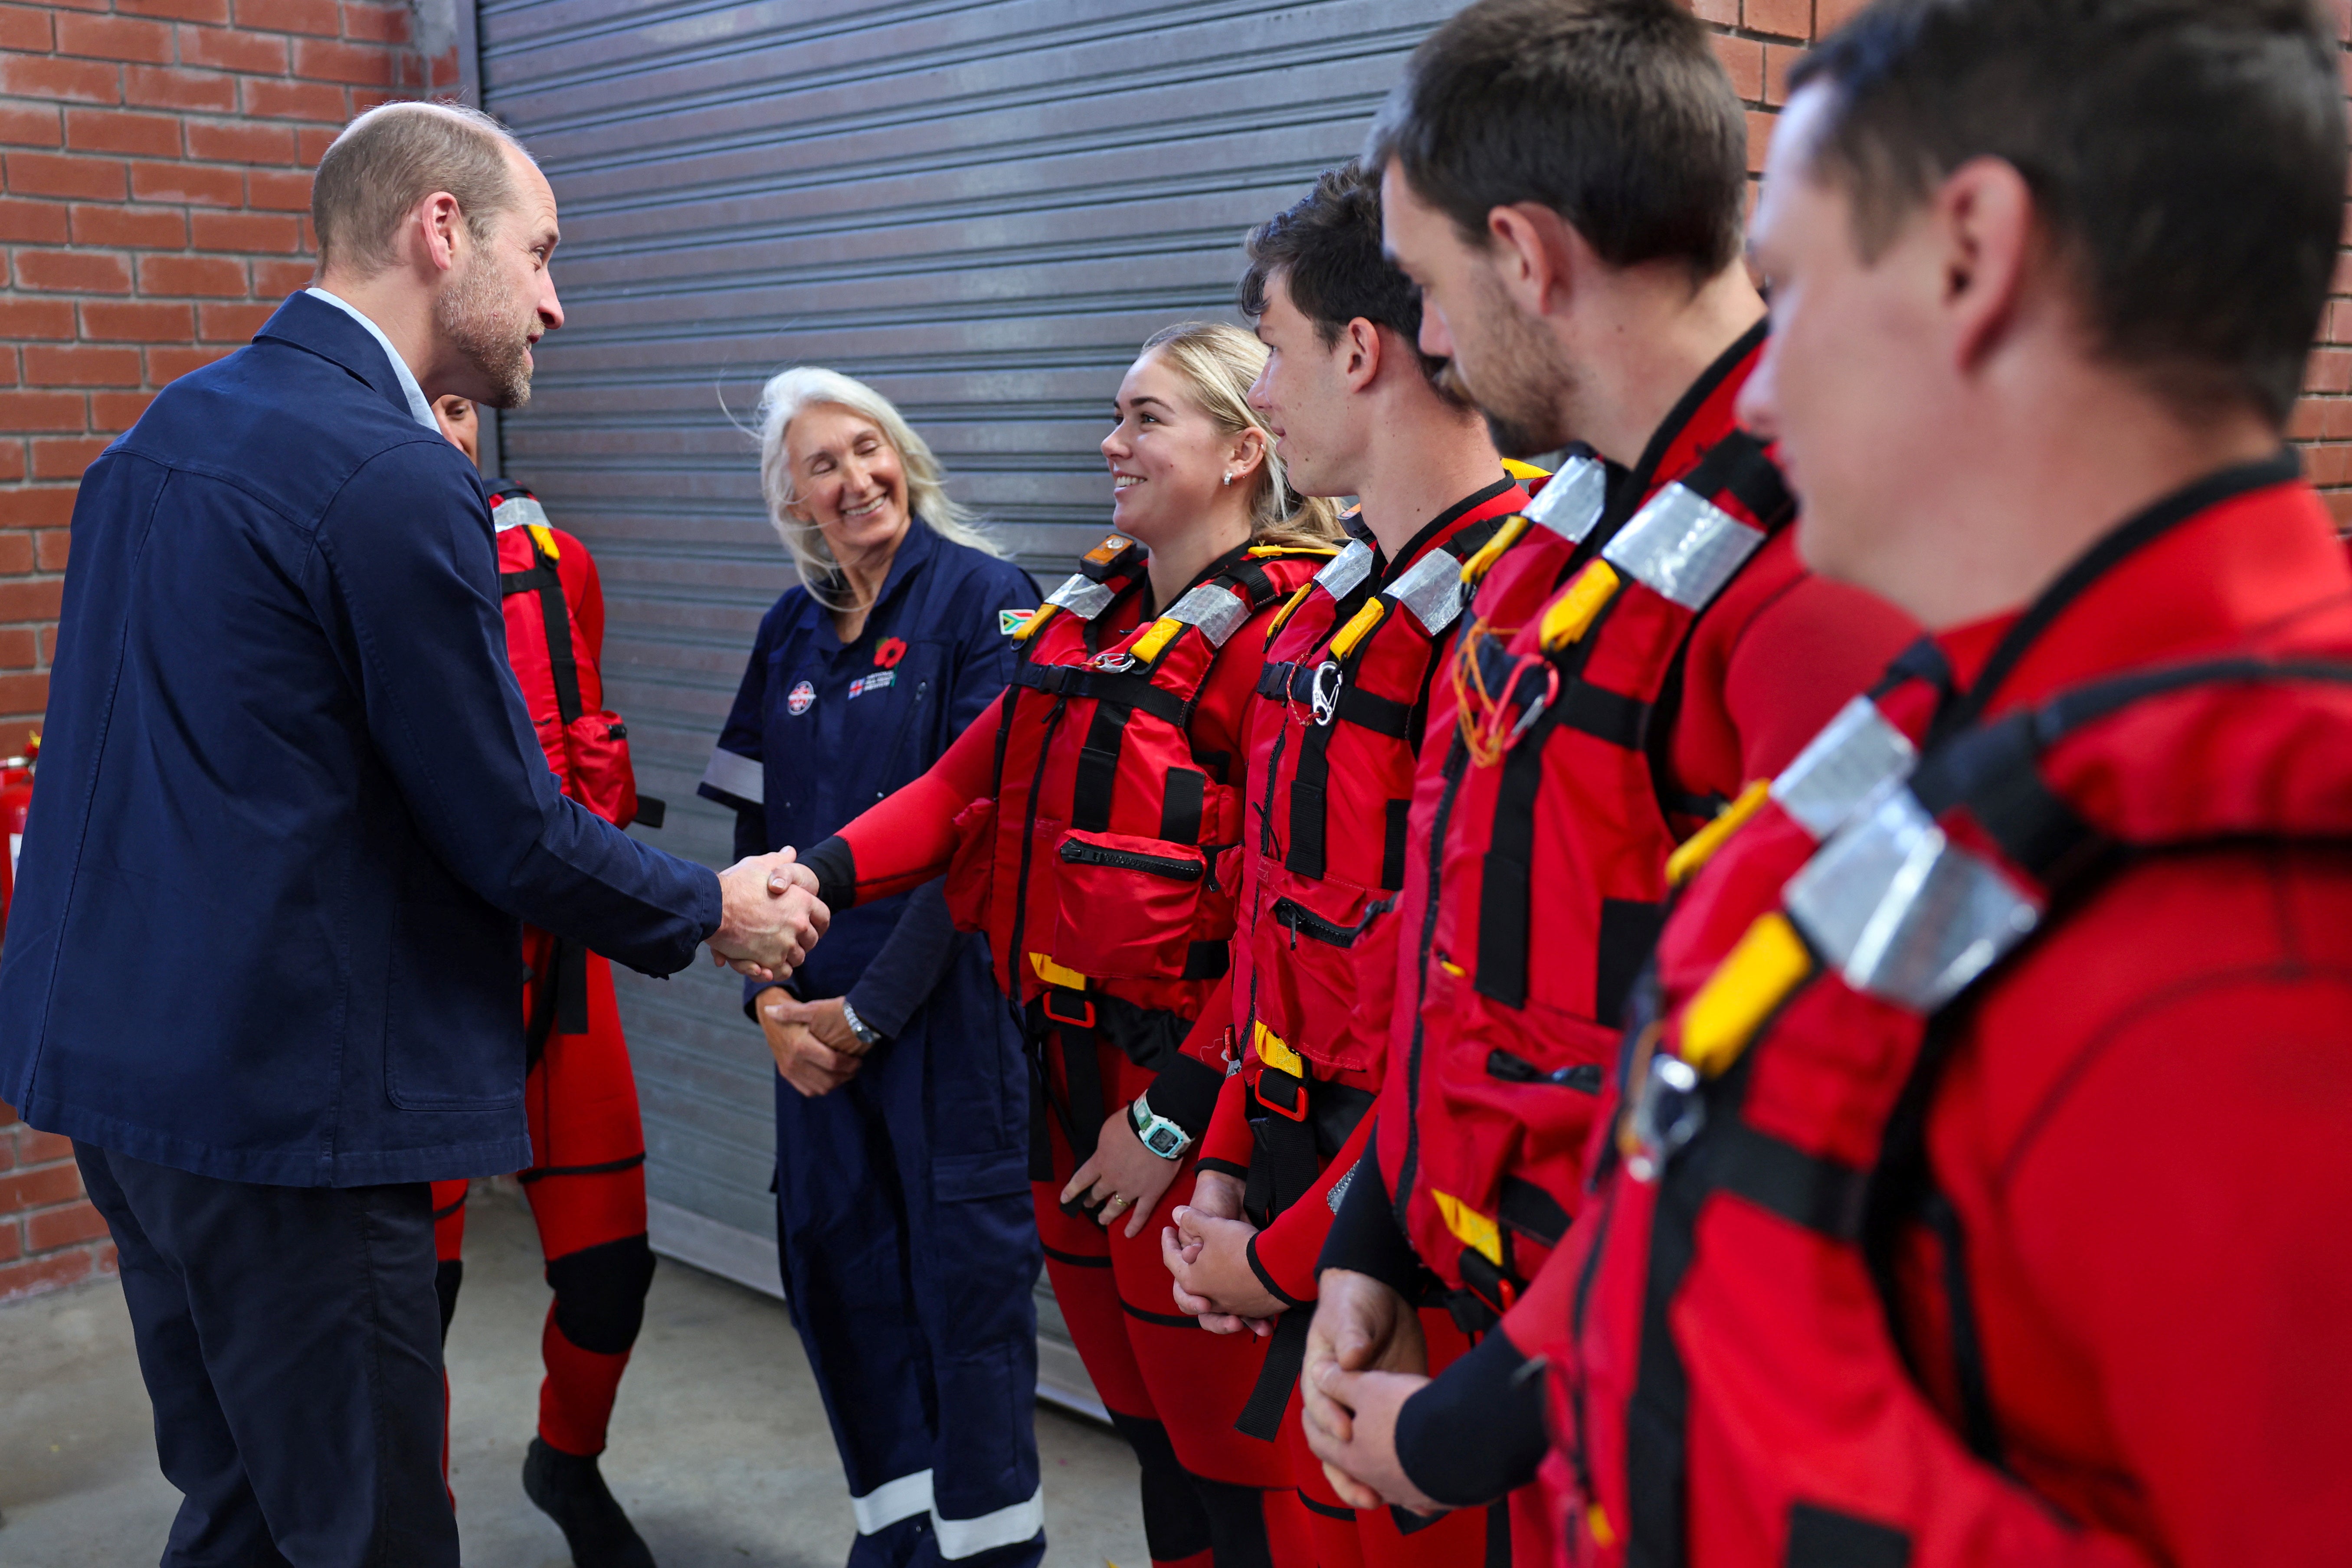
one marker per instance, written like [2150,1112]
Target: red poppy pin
[889,653]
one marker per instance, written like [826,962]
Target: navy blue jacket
[821,730]
[291,811]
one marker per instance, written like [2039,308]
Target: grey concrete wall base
[752,1261]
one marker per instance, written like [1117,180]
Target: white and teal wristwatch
[1157,1133]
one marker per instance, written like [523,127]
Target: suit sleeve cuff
[1476,1431]
[1185,1092]
[836,873]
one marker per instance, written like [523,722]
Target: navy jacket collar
[315,325]
[916,549]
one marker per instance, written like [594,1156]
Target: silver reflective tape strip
[1344,571]
[1570,501]
[1005,1527]
[1903,912]
[1081,596]
[1683,546]
[1857,755]
[733,774]
[891,1501]
[1218,612]
[1338,1192]
[515,511]
[1431,589]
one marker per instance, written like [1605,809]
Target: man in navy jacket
[263,958]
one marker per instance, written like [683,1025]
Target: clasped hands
[1365,1353]
[769,916]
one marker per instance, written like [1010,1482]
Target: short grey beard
[472,315]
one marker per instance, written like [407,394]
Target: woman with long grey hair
[902,1102]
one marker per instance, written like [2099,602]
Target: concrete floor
[720,1448]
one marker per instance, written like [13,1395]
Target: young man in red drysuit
[1565,180]
[1358,411]
[1900,1250]
[587,1180]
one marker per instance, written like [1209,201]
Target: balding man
[292,791]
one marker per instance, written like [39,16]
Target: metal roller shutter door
[981,209]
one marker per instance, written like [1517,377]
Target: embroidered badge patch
[874,683]
[1010,621]
[803,698]
[887,654]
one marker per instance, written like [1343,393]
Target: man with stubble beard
[299,794]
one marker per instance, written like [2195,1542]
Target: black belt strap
[1130,688]
[555,616]
[1287,682]
[1286,1358]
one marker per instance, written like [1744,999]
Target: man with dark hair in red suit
[587,1180]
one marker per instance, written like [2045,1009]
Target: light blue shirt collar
[417,407]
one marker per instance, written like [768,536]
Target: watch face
[1164,1141]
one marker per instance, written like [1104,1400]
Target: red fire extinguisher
[15,802]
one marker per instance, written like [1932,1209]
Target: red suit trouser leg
[1209,1495]
[1379,1538]
[586,1186]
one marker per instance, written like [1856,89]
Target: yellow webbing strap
[539,532]
[1573,614]
[1474,570]
[1284,614]
[1771,961]
[1700,847]
[1052,974]
[1275,1052]
[1145,648]
[1524,471]
[1357,629]
[1263,552]
[1472,1229]
[1037,618]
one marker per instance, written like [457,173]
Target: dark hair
[2186,156]
[1327,247]
[1614,113]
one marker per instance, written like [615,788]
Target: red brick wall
[155,183]
[1759,40]
[49,1235]
[155,179]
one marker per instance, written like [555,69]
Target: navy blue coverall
[902,1198]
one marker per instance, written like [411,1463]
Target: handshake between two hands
[769,916]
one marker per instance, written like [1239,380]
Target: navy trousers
[910,1256]
[291,1340]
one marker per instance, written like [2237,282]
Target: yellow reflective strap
[1771,961]
[1275,1053]
[1700,847]
[1037,618]
[1474,570]
[539,532]
[1145,648]
[1284,614]
[1472,1229]
[1572,614]
[1052,974]
[1357,629]
[1524,471]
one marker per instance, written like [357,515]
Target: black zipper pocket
[1300,920]
[1583,1076]
[1078,852]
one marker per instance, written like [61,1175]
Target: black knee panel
[1237,1523]
[1175,1526]
[448,1274]
[600,1293]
